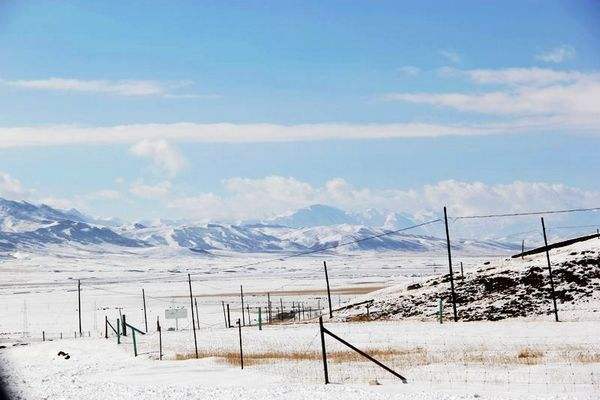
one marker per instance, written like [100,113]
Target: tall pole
[328,290]
[450,266]
[242,297]
[79,304]
[522,249]
[224,314]
[192,309]
[550,271]
[462,271]
[241,350]
[145,315]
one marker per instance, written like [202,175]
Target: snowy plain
[440,361]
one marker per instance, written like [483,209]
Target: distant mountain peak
[312,216]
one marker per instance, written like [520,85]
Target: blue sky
[230,110]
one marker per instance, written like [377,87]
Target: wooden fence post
[259,319]
[328,290]
[325,372]
[241,350]
[550,271]
[450,266]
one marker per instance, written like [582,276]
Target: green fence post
[260,318]
[134,343]
[118,331]
[440,310]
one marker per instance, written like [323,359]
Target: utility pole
[550,271]
[450,266]
[242,297]
[145,315]
[79,304]
[328,290]
[192,310]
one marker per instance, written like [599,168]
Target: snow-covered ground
[517,358]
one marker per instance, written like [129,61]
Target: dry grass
[407,357]
[233,357]
[530,356]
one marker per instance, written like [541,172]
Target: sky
[223,111]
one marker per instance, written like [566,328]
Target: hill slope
[502,289]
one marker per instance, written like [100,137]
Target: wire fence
[528,360]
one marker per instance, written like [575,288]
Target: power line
[333,246]
[527,213]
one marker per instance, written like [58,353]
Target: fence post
[145,315]
[249,319]
[259,319]
[43,336]
[462,272]
[281,309]
[105,327]
[323,350]
[124,323]
[197,318]
[228,317]
[440,309]
[328,290]
[118,331]
[224,313]
[550,271]
[241,350]
[270,318]
[61,335]
[79,303]
[192,310]
[134,343]
[450,266]
[159,338]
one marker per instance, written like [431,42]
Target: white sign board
[176,313]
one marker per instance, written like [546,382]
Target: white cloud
[262,198]
[409,70]
[162,154]
[526,76]
[557,54]
[11,188]
[114,87]
[223,133]
[158,190]
[450,55]
[557,99]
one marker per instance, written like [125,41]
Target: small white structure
[176,314]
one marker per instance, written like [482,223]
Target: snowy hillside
[496,290]
[27,226]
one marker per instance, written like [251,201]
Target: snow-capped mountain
[315,215]
[25,226]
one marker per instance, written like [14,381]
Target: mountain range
[28,227]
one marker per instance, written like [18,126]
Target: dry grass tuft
[528,355]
